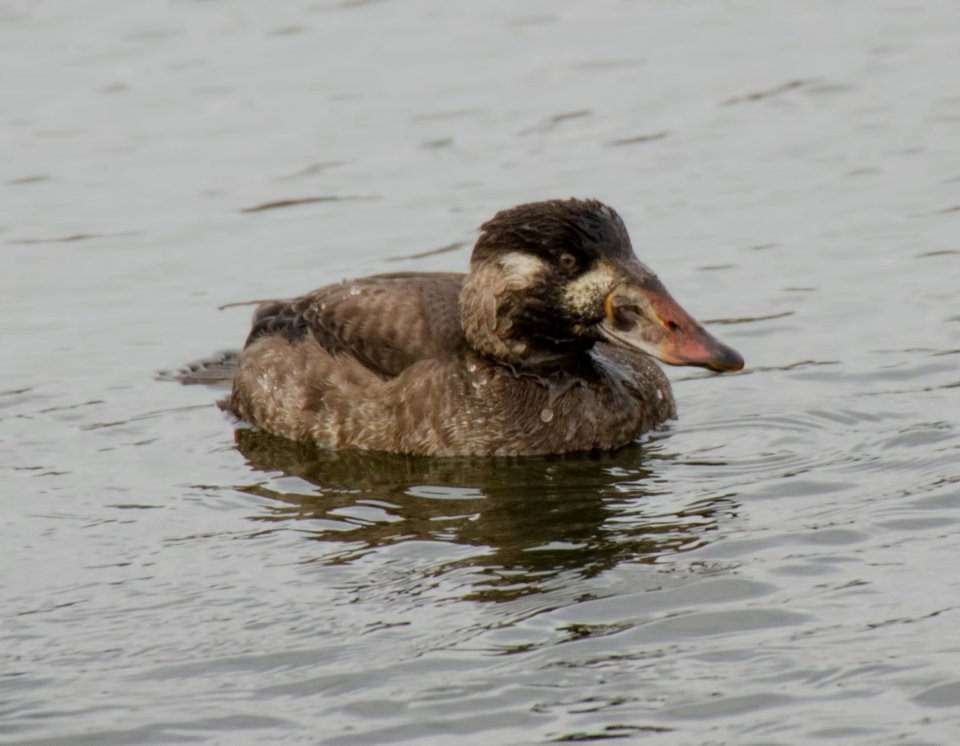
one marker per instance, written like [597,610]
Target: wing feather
[386,322]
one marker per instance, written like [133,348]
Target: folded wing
[385,322]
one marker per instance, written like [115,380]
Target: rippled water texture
[779,566]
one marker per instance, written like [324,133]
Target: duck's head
[556,277]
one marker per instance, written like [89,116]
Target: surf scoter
[544,346]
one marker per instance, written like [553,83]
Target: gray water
[778,566]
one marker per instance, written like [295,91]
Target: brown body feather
[383,363]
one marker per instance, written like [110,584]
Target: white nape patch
[522,269]
[587,291]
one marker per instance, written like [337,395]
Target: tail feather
[216,370]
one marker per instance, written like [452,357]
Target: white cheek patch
[522,269]
[585,294]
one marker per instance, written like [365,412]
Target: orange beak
[644,317]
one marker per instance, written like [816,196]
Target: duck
[546,345]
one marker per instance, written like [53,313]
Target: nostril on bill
[626,317]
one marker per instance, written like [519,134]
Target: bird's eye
[567,260]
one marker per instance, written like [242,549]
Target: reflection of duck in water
[593,511]
[543,347]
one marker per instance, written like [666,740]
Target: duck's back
[386,322]
[309,364]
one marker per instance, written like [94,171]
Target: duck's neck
[487,329]
[492,328]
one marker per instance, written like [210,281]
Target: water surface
[775,567]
